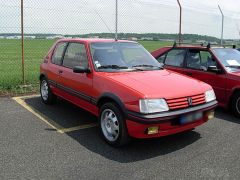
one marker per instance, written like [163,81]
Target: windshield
[230,58]
[122,56]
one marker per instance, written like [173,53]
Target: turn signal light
[211,115]
[152,130]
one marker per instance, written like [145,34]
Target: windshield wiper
[233,66]
[112,66]
[147,65]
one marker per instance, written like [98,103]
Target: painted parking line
[45,119]
[85,126]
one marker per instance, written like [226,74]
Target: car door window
[58,53]
[199,60]
[75,56]
[207,59]
[193,59]
[175,57]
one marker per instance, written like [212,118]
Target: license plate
[185,119]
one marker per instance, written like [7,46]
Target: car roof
[200,47]
[189,46]
[91,40]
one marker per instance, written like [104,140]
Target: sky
[135,16]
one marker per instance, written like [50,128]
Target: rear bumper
[168,123]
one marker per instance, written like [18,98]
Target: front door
[197,63]
[77,86]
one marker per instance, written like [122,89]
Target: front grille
[198,99]
[183,102]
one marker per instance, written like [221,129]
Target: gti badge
[189,101]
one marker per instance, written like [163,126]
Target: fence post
[180,23]
[222,24]
[22,42]
[116,30]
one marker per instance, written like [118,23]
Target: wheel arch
[234,91]
[110,97]
[42,75]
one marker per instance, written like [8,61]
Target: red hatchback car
[122,84]
[217,66]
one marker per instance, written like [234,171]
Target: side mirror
[214,69]
[80,69]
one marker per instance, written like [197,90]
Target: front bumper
[167,122]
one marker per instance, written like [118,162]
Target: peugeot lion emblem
[189,101]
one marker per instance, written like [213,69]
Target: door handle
[60,71]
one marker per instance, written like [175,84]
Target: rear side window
[75,55]
[175,57]
[58,53]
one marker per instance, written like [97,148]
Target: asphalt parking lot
[62,142]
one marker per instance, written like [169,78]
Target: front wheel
[46,94]
[236,104]
[113,126]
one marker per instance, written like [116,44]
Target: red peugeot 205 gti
[122,84]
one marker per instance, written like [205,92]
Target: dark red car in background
[122,84]
[217,66]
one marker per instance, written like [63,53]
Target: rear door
[197,63]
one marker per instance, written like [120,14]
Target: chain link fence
[151,22]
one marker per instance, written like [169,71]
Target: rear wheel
[112,125]
[46,94]
[235,106]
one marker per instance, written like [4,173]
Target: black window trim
[185,60]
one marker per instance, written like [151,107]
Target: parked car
[122,84]
[217,66]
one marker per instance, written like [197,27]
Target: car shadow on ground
[67,115]
[226,115]
[61,114]
[136,150]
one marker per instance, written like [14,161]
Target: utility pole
[222,24]
[180,23]
[22,33]
[116,25]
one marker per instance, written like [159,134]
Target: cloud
[136,16]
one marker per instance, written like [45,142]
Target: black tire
[235,104]
[50,98]
[123,137]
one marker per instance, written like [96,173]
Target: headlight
[210,96]
[153,105]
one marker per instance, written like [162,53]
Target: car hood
[159,84]
[234,76]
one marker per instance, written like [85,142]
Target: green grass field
[35,50]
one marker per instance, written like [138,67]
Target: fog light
[211,115]
[152,130]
